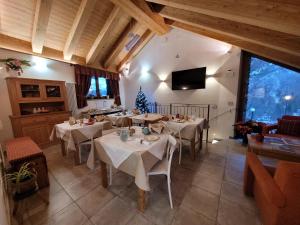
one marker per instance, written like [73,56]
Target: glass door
[29,91]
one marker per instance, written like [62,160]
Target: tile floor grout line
[223,177]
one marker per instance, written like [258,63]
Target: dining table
[190,129]
[69,135]
[119,119]
[147,118]
[136,157]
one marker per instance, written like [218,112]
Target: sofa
[287,126]
[276,190]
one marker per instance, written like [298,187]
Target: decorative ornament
[141,102]
[15,64]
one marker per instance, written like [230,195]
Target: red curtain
[114,85]
[83,77]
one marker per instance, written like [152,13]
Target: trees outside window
[273,91]
[98,87]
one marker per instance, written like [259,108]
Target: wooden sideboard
[37,105]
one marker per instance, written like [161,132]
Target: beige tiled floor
[205,192]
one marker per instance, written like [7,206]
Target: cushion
[289,127]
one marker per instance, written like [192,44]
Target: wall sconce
[40,63]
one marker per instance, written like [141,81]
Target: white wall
[41,69]
[152,70]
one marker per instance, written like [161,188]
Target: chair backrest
[288,117]
[171,145]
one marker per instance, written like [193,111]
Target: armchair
[284,126]
[277,197]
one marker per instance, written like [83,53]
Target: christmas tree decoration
[141,102]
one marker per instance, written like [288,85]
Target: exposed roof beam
[14,44]
[144,39]
[103,34]
[268,38]
[140,11]
[274,15]
[41,19]
[269,53]
[85,9]
[120,43]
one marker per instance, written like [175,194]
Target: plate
[151,138]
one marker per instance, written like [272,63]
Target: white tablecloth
[180,126]
[119,151]
[131,157]
[117,118]
[64,131]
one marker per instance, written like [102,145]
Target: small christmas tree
[141,102]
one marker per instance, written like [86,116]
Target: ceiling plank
[140,11]
[274,15]
[85,9]
[120,43]
[144,39]
[14,44]
[103,34]
[266,52]
[269,38]
[41,19]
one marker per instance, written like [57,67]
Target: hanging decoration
[15,64]
[141,102]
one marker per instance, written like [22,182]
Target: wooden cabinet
[37,105]
[38,133]
[38,127]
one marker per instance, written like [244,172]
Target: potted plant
[23,180]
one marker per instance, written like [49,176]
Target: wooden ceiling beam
[144,39]
[263,51]
[41,19]
[14,44]
[103,34]
[282,16]
[120,43]
[140,11]
[85,9]
[268,38]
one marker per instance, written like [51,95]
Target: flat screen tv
[189,79]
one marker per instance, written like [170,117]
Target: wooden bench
[24,149]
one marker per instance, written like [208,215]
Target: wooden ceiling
[109,33]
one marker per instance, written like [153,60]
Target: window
[93,92]
[273,91]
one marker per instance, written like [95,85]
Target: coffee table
[276,147]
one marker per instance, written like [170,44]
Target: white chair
[163,167]
[175,133]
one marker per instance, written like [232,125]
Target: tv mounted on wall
[189,79]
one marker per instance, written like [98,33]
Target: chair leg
[180,147]
[180,152]
[169,190]
[110,174]
[80,160]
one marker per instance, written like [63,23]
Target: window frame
[245,61]
[98,92]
